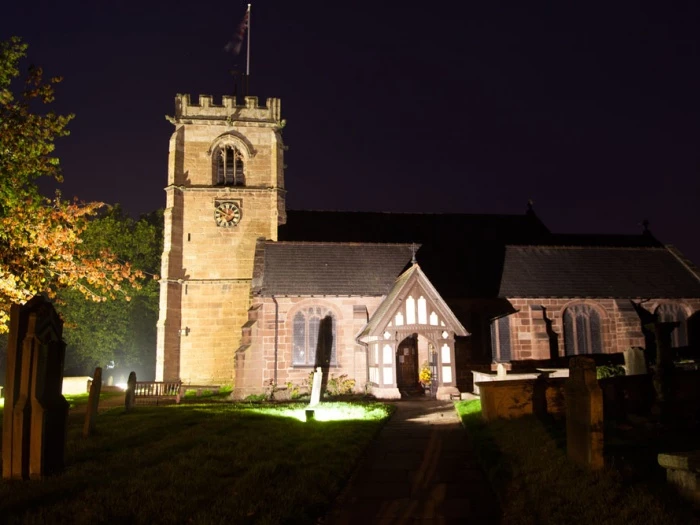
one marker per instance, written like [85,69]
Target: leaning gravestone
[584,414]
[316,387]
[130,397]
[93,402]
[35,413]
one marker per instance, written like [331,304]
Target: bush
[605,371]
[341,385]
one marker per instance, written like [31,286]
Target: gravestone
[93,402]
[501,372]
[316,387]
[584,414]
[35,413]
[635,362]
[130,397]
[663,371]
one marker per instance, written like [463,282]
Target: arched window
[500,340]
[314,337]
[582,330]
[669,313]
[228,166]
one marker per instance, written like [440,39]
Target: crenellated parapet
[206,111]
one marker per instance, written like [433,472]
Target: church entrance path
[420,469]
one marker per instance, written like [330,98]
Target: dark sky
[592,111]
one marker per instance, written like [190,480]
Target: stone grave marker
[130,397]
[584,414]
[635,362]
[316,387]
[501,371]
[93,402]
[663,371]
[35,413]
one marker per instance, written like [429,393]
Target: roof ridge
[341,243]
[421,213]
[594,247]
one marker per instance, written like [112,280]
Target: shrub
[605,371]
[341,385]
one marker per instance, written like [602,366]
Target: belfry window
[500,340]
[670,313]
[314,337]
[228,166]
[582,330]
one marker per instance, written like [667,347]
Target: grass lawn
[200,463]
[527,465]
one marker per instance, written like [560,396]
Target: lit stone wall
[259,369]
[620,324]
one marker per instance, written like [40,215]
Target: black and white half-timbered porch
[413,328]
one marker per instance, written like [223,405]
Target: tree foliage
[117,332]
[41,247]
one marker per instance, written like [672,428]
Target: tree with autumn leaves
[41,248]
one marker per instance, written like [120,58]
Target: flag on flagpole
[234,46]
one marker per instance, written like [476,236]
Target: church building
[255,295]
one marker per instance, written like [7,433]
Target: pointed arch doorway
[407,365]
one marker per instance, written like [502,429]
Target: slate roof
[307,268]
[465,255]
[585,271]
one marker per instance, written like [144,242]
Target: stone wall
[257,351]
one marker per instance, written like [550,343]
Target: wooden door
[407,363]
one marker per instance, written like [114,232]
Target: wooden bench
[157,392]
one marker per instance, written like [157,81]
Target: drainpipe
[277,314]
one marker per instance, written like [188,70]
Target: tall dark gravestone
[93,403]
[35,413]
[584,414]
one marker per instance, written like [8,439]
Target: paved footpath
[420,469]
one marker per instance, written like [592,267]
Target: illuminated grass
[336,411]
[199,463]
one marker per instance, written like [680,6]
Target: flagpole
[247,60]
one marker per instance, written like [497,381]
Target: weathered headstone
[130,397]
[93,402]
[584,414]
[316,387]
[635,362]
[501,372]
[35,413]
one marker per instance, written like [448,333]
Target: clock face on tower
[227,214]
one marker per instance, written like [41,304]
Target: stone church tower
[225,190]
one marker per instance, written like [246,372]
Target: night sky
[592,111]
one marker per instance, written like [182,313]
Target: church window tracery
[582,330]
[229,166]
[500,340]
[314,337]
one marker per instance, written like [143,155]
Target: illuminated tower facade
[225,191]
